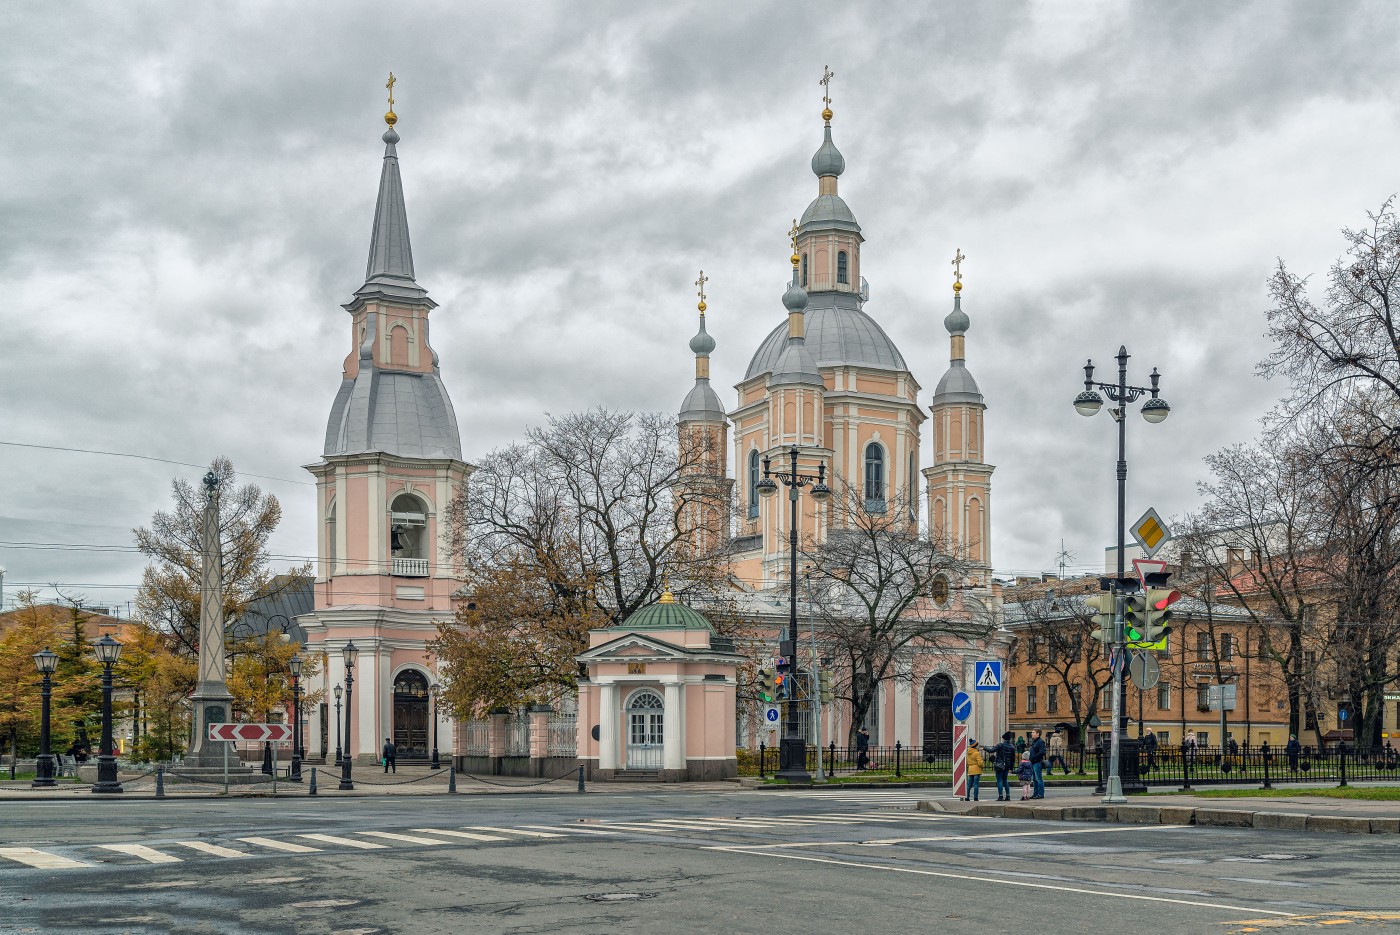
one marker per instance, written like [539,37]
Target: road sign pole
[1114,790]
[226,769]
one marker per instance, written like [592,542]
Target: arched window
[841,275]
[408,533]
[938,590]
[913,488]
[804,271]
[753,484]
[874,478]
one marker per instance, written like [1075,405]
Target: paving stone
[1019,810]
[1280,821]
[1139,814]
[1339,823]
[1224,817]
[1049,812]
[990,810]
[1385,825]
[1176,815]
[1091,812]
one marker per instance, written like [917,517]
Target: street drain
[617,897]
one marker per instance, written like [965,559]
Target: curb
[1182,815]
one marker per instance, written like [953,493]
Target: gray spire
[702,403]
[389,272]
[828,159]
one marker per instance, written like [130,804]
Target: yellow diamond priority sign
[1151,532]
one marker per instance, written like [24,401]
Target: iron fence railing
[476,738]
[563,734]
[517,734]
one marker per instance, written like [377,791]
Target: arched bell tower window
[913,488]
[408,532]
[753,484]
[874,478]
[841,274]
[804,271]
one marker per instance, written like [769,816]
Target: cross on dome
[700,283]
[391,118]
[958,257]
[825,82]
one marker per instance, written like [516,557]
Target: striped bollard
[960,760]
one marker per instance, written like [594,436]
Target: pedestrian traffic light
[827,689]
[1160,597]
[1134,616]
[768,684]
[1102,605]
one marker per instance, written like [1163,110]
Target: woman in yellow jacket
[975,764]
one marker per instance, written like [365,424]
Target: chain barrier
[571,774]
[436,774]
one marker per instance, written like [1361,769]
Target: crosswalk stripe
[406,838]
[571,830]
[148,854]
[528,834]
[644,827]
[287,846]
[215,849]
[343,842]
[460,834]
[41,859]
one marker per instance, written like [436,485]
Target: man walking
[390,754]
[1036,753]
[1292,750]
[862,748]
[1003,762]
[1058,748]
[1149,748]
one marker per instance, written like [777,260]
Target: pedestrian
[1292,750]
[1026,774]
[390,754]
[862,748]
[1149,748]
[1036,753]
[975,765]
[1234,747]
[1058,747]
[1020,745]
[1003,762]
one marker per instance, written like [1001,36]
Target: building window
[1074,696]
[1030,699]
[841,275]
[1202,696]
[1052,699]
[1011,700]
[753,484]
[1033,651]
[874,478]
[1227,646]
[1164,696]
[1106,698]
[804,271]
[1203,647]
[939,590]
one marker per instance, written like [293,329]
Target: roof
[274,611]
[957,386]
[664,615]
[837,333]
[389,271]
[826,212]
[702,404]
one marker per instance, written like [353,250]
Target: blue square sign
[987,676]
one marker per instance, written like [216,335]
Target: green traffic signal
[768,684]
[1134,617]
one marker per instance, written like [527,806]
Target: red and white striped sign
[960,760]
[250,732]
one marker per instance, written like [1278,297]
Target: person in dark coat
[1003,762]
[390,753]
[1149,748]
[862,748]
[1292,750]
[1036,753]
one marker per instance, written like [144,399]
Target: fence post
[898,749]
[1185,768]
[451,776]
[831,760]
[1265,748]
[762,749]
[160,782]
[580,779]
[1342,757]
[311,789]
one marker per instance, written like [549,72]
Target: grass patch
[1369,793]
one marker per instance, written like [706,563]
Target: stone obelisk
[211,701]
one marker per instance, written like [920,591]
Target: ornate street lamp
[45,662]
[1087,403]
[792,756]
[108,652]
[294,666]
[436,690]
[349,654]
[338,692]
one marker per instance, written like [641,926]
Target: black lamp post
[108,652]
[436,690]
[338,692]
[45,662]
[1087,403]
[294,666]
[792,756]
[348,652]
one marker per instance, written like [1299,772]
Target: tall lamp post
[338,692]
[294,666]
[45,662]
[108,652]
[1154,410]
[436,690]
[348,653]
[792,756]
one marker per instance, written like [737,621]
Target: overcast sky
[188,191]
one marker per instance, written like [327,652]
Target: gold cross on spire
[391,118]
[792,235]
[825,82]
[701,284]
[958,257]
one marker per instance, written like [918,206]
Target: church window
[753,484]
[804,270]
[913,488]
[842,276]
[408,528]
[874,478]
[939,590]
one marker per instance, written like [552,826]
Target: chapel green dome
[666,614]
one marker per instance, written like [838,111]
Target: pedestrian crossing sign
[987,676]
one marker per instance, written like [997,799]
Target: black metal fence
[1263,766]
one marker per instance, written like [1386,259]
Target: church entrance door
[411,715]
[645,731]
[938,716]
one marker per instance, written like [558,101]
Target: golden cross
[701,283]
[792,234]
[390,85]
[827,75]
[958,257]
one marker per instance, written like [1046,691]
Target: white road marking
[344,842]
[570,830]
[528,834]
[1023,883]
[41,859]
[148,854]
[214,849]
[887,842]
[281,845]
[406,838]
[460,834]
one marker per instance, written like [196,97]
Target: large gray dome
[403,414]
[827,212]
[837,333]
[702,404]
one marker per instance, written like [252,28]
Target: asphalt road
[738,862]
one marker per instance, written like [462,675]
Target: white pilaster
[607,725]
[903,714]
[673,727]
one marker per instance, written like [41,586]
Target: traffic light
[827,689]
[768,684]
[1102,605]
[783,683]
[1134,616]
[1159,598]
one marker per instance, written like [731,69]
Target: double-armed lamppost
[792,755]
[108,652]
[348,653]
[45,662]
[1154,410]
[294,666]
[338,692]
[436,691]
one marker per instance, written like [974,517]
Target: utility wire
[125,454]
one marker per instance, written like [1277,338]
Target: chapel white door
[645,738]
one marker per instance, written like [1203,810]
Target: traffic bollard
[311,789]
[160,782]
[452,778]
[580,779]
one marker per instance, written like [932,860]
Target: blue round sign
[962,706]
[771,714]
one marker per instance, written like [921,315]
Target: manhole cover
[617,897]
